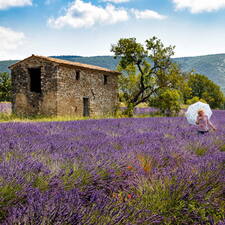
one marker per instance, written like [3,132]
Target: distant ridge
[213,66]
[5,64]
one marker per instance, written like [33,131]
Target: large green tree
[203,88]
[5,87]
[145,70]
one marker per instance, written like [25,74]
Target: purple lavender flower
[112,171]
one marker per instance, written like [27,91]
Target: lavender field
[113,171]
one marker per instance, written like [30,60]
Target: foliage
[128,83]
[128,171]
[168,101]
[203,88]
[5,87]
[194,100]
[147,70]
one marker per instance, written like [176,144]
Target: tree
[168,101]
[5,87]
[127,83]
[194,100]
[146,70]
[203,88]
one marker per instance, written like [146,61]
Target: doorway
[86,111]
[35,80]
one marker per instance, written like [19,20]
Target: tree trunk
[129,111]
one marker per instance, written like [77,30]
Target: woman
[203,123]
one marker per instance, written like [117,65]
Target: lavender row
[124,171]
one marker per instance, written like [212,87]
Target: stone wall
[26,102]
[103,99]
[61,93]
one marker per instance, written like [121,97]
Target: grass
[10,117]
[222,148]
[141,105]
[14,118]
[6,117]
[8,193]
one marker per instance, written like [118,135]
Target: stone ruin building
[55,87]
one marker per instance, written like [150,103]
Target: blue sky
[89,27]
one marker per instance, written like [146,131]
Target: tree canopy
[5,87]
[146,70]
[205,89]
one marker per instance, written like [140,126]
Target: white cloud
[116,1]
[198,6]
[147,14]
[10,40]
[83,14]
[5,4]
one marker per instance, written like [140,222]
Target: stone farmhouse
[55,87]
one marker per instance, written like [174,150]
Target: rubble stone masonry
[63,88]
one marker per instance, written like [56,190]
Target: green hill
[213,66]
[5,64]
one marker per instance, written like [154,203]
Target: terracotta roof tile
[68,63]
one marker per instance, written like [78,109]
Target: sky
[90,27]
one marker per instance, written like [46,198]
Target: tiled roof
[69,63]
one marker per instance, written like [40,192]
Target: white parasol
[193,109]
